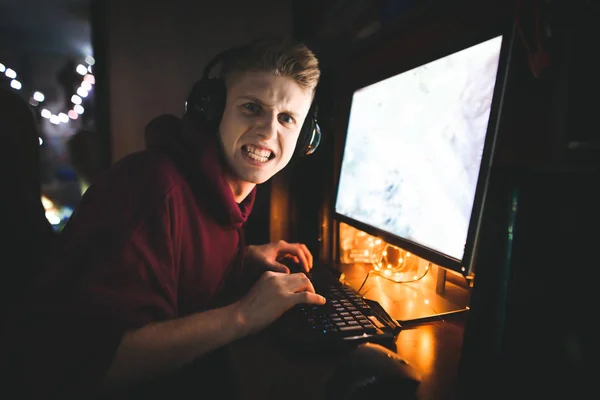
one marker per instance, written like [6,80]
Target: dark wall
[153,52]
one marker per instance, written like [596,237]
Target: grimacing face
[261,124]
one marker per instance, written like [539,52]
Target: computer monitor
[418,149]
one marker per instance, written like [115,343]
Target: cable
[364,281]
[423,320]
[408,281]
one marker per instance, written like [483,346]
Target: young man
[152,272]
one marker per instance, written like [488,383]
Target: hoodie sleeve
[118,271]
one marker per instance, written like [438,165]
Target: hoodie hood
[199,157]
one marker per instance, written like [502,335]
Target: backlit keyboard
[347,318]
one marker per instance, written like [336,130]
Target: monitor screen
[413,151]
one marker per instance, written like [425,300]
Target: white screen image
[414,147]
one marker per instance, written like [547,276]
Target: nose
[269,125]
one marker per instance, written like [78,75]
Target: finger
[299,282]
[278,267]
[295,249]
[308,255]
[308,297]
[304,257]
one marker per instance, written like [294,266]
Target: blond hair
[279,55]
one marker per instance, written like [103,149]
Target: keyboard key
[351,330]
[376,322]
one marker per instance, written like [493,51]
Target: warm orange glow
[357,246]
[47,203]
[419,345]
[392,262]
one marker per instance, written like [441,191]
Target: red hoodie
[155,237]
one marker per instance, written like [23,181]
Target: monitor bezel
[504,28]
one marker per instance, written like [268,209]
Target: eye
[286,119]
[253,108]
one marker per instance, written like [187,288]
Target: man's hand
[272,295]
[271,254]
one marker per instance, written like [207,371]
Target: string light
[37,97]
[15,84]
[399,265]
[10,73]
[81,69]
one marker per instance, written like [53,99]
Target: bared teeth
[257,153]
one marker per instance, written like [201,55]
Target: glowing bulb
[75,99]
[47,203]
[39,96]
[82,92]
[78,109]
[41,141]
[81,69]
[45,113]
[90,60]
[89,78]
[63,117]
[10,73]
[15,84]
[2,67]
[52,217]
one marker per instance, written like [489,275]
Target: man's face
[261,123]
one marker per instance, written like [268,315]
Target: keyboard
[345,320]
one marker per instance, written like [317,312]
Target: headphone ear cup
[315,139]
[206,102]
[302,139]
[310,135]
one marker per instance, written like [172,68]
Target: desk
[267,372]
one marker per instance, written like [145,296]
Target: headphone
[206,103]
